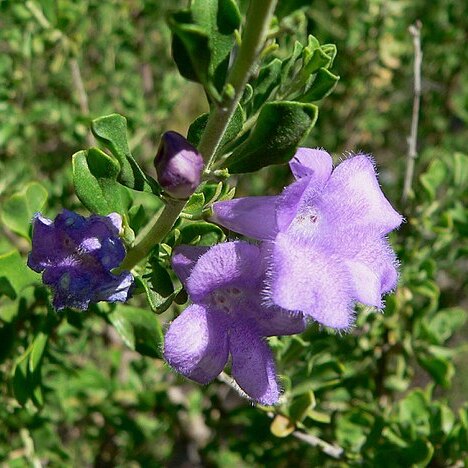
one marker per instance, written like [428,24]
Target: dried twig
[415,31]
[332,450]
[77,79]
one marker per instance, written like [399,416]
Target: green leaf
[323,84]
[280,128]
[111,131]
[14,274]
[203,37]
[20,381]
[194,206]
[37,351]
[432,179]
[301,406]
[446,322]
[139,328]
[268,79]
[235,125]
[95,178]
[201,233]
[19,209]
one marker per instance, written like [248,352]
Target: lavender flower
[77,255]
[227,317]
[328,232]
[178,165]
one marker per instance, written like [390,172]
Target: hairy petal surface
[196,344]
[353,197]
[229,264]
[304,278]
[253,366]
[184,259]
[315,164]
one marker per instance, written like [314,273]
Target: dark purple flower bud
[179,166]
[76,256]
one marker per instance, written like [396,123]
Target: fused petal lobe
[254,217]
[307,280]
[229,264]
[196,344]
[253,366]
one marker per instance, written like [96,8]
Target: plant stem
[415,31]
[255,34]
[153,233]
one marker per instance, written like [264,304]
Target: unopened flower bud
[179,166]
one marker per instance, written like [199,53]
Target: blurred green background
[64,62]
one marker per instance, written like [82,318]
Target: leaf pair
[99,178]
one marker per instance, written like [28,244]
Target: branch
[332,450]
[415,31]
[256,31]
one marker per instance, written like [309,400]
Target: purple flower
[179,166]
[77,255]
[228,317]
[328,231]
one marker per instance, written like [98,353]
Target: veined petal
[196,344]
[315,164]
[229,264]
[253,366]
[353,197]
[305,279]
[251,216]
[184,259]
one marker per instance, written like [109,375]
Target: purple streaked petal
[229,264]
[308,280]
[196,344]
[312,163]
[353,197]
[251,216]
[253,366]
[116,288]
[184,259]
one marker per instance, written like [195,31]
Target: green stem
[253,40]
[153,233]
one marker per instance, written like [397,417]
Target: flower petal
[288,203]
[115,288]
[373,269]
[306,279]
[72,286]
[353,197]
[44,237]
[316,164]
[184,259]
[196,344]
[274,321]
[229,264]
[253,366]
[251,216]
